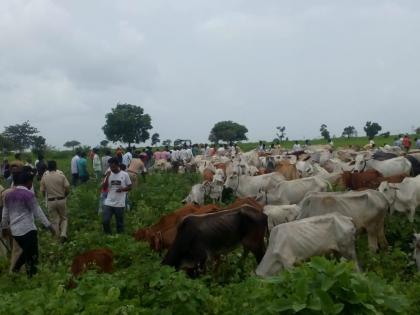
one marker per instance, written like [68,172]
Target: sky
[191,63]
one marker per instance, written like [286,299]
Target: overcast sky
[191,63]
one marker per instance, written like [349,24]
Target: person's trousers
[58,213]
[74,179]
[107,216]
[29,255]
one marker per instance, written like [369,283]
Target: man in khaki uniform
[55,186]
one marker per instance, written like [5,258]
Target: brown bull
[370,179]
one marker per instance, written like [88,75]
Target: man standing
[105,160]
[55,187]
[119,184]
[127,157]
[97,165]
[74,170]
[82,168]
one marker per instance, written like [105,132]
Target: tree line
[129,124]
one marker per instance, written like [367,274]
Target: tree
[127,123]
[155,138]
[166,142]
[281,132]
[104,143]
[349,131]
[372,129]
[228,131]
[39,145]
[325,133]
[21,136]
[5,144]
[71,144]
[417,131]
[386,134]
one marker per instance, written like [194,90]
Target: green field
[389,283]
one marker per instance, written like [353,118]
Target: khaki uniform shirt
[55,184]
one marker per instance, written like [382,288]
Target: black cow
[202,237]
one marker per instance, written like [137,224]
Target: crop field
[139,284]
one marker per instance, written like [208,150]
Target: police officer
[55,186]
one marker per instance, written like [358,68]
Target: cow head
[305,168]
[397,200]
[232,181]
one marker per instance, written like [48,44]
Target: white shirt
[74,164]
[97,165]
[175,156]
[115,182]
[296,147]
[126,159]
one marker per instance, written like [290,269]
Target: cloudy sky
[191,63]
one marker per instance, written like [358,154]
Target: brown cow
[288,170]
[207,175]
[369,179]
[203,237]
[155,234]
[164,238]
[100,259]
[221,166]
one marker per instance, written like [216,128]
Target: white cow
[297,241]
[292,191]
[394,166]
[403,197]
[367,209]
[280,214]
[305,168]
[249,186]
[196,196]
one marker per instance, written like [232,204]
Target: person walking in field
[74,169]
[406,142]
[19,212]
[97,164]
[136,167]
[105,160]
[417,141]
[127,157]
[55,186]
[82,168]
[119,184]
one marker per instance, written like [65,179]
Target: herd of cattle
[289,199]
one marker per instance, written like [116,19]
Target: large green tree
[127,123]
[39,145]
[372,129]
[228,131]
[5,144]
[20,135]
[281,133]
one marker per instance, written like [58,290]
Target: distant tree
[167,142]
[418,130]
[385,134]
[127,123]
[281,133]
[155,138]
[21,136]
[276,141]
[372,129]
[71,144]
[39,145]
[104,143]
[228,131]
[325,133]
[5,144]
[349,131]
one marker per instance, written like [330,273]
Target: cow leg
[383,243]
[372,237]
